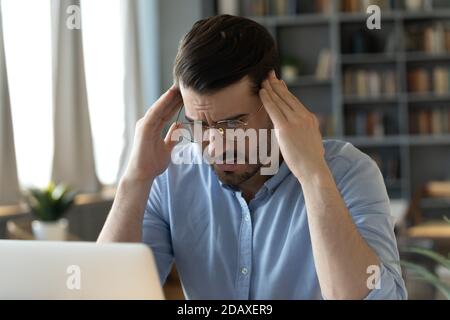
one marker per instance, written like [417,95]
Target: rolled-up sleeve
[363,190]
[156,229]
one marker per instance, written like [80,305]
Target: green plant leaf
[428,276]
[440,259]
[51,203]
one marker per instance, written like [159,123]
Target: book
[423,122]
[434,120]
[349,83]
[418,80]
[228,7]
[323,6]
[440,80]
[353,6]
[361,83]
[389,83]
[436,124]
[445,121]
[369,83]
[431,38]
[324,64]
[374,84]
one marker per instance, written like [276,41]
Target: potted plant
[290,68]
[49,205]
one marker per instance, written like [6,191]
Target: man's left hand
[297,129]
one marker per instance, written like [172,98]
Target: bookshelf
[369,96]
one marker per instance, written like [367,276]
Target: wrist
[132,181]
[133,176]
[319,175]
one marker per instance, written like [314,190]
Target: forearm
[124,222]
[341,255]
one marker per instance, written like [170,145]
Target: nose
[218,146]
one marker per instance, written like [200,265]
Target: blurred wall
[177,18]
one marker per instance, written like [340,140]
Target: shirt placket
[245,250]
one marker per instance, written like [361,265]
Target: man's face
[235,102]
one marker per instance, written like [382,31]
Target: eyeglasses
[219,126]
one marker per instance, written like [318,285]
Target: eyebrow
[230,118]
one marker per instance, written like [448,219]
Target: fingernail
[273,74]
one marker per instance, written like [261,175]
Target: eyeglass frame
[214,126]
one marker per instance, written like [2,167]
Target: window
[27,35]
[103,51]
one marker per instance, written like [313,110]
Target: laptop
[77,270]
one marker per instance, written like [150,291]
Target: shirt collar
[278,178]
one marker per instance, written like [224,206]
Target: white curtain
[134,98]
[73,159]
[142,73]
[9,182]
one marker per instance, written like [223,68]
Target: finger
[163,121]
[284,108]
[168,139]
[165,104]
[163,109]
[274,84]
[280,87]
[274,112]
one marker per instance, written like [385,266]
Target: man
[320,227]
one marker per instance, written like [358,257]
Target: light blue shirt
[224,248]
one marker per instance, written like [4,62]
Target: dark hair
[221,50]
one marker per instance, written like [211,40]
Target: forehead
[232,100]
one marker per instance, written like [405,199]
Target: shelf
[426,57]
[368,141]
[424,15]
[304,35]
[435,203]
[418,140]
[393,184]
[392,15]
[352,100]
[398,140]
[368,58]
[293,20]
[411,98]
[427,97]
[308,81]
[347,17]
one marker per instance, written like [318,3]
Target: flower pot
[290,73]
[50,230]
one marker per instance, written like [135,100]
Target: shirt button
[247,217]
[244,270]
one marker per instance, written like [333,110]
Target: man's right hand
[150,155]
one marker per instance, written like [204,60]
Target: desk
[20,229]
